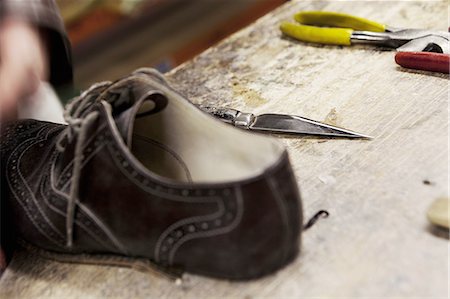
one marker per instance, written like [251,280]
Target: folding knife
[279,123]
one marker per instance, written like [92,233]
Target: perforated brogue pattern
[225,219]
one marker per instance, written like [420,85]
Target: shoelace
[79,120]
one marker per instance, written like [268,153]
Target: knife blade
[279,123]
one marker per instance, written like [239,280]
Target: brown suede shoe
[142,173]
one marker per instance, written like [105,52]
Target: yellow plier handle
[312,34]
[326,34]
[335,19]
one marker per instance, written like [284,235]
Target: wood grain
[377,241]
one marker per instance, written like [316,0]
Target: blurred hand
[23,64]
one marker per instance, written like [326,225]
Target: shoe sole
[141,264]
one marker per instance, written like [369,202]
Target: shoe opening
[182,143]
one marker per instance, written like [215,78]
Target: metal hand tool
[279,123]
[356,30]
[434,62]
[359,30]
[426,61]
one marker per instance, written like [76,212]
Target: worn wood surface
[377,241]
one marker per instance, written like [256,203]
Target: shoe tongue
[149,103]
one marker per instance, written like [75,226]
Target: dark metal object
[319,215]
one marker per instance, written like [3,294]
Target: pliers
[343,29]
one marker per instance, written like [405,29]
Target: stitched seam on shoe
[70,164]
[19,160]
[24,206]
[187,221]
[47,152]
[85,161]
[160,193]
[40,131]
[236,221]
[81,225]
[29,216]
[283,212]
[167,195]
[108,233]
[45,198]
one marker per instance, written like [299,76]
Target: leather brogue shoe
[139,172]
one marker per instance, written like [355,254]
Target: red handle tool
[426,61]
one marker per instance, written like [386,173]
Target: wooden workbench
[377,241]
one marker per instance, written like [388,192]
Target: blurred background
[111,38]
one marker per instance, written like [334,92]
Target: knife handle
[224,114]
[231,116]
